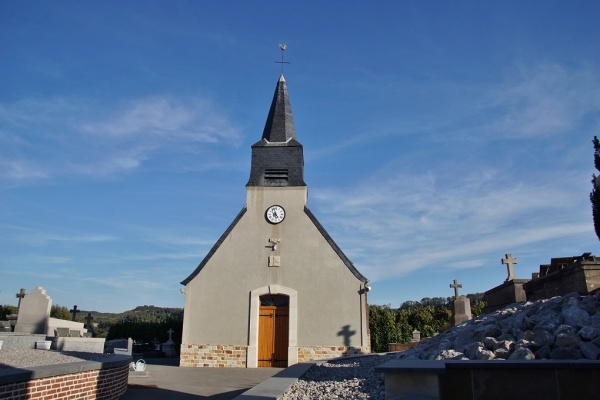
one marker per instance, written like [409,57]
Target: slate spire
[280,122]
[278,159]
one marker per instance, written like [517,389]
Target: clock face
[275,214]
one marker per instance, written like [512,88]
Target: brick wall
[104,384]
[311,353]
[224,356]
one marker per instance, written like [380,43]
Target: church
[275,289]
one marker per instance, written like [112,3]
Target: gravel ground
[24,358]
[353,378]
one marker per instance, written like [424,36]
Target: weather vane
[282,47]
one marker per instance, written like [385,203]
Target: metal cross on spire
[283,47]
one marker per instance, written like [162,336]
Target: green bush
[429,316]
[60,312]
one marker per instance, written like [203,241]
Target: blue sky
[437,135]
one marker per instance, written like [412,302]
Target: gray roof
[278,158]
[280,122]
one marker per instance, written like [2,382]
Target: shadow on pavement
[164,379]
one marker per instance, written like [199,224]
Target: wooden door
[273,332]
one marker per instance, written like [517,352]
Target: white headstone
[34,312]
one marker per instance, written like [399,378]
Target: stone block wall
[104,384]
[582,279]
[208,355]
[311,353]
[505,294]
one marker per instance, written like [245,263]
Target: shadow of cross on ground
[346,333]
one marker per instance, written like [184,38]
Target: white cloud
[54,137]
[543,100]
[167,119]
[21,169]
[402,223]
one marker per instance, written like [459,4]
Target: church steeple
[280,122]
[278,159]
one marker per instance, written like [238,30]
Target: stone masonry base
[312,353]
[208,355]
[234,356]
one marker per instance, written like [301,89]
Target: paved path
[164,380]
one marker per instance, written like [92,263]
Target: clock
[275,214]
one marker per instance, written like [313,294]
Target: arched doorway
[273,331]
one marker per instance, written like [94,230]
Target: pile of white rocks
[562,328]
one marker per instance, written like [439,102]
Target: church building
[275,289]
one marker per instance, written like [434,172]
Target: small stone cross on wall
[74,312]
[509,261]
[455,285]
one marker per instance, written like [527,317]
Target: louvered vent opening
[276,173]
[276,177]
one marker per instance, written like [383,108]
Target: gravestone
[461,306]
[169,346]
[61,332]
[88,321]
[509,261]
[416,336]
[74,312]
[20,296]
[5,326]
[34,312]
[509,292]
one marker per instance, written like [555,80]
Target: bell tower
[278,159]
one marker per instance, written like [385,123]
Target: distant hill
[103,321]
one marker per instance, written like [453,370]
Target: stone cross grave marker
[19,296]
[456,285]
[74,312]
[88,320]
[509,261]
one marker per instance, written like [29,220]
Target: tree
[60,312]
[6,310]
[595,194]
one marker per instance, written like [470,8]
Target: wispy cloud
[528,101]
[166,119]
[54,137]
[543,100]
[405,222]
[21,169]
